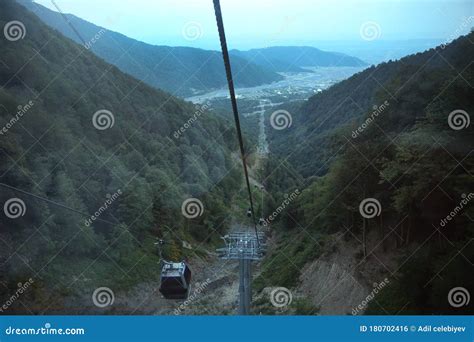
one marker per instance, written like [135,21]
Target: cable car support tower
[244,247]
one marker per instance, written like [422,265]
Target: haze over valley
[121,159]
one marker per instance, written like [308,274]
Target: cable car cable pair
[230,82]
[176,277]
[55,203]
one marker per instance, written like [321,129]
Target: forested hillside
[79,132]
[398,133]
[408,82]
[183,71]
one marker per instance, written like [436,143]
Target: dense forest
[89,130]
[79,132]
[315,123]
[398,133]
[162,67]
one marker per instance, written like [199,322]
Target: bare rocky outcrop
[340,280]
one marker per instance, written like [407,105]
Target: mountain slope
[294,58]
[182,71]
[359,96]
[80,132]
[387,191]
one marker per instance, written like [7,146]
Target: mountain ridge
[351,99]
[187,71]
[295,58]
[182,71]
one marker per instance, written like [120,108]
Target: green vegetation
[407,157]
[182,71]
[411,295]
[55,151]
[281,269]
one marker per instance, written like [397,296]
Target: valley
[97,196]
[296,86]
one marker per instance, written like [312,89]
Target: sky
[260,23]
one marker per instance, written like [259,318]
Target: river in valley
[295,85]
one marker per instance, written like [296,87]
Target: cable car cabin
[175,280]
